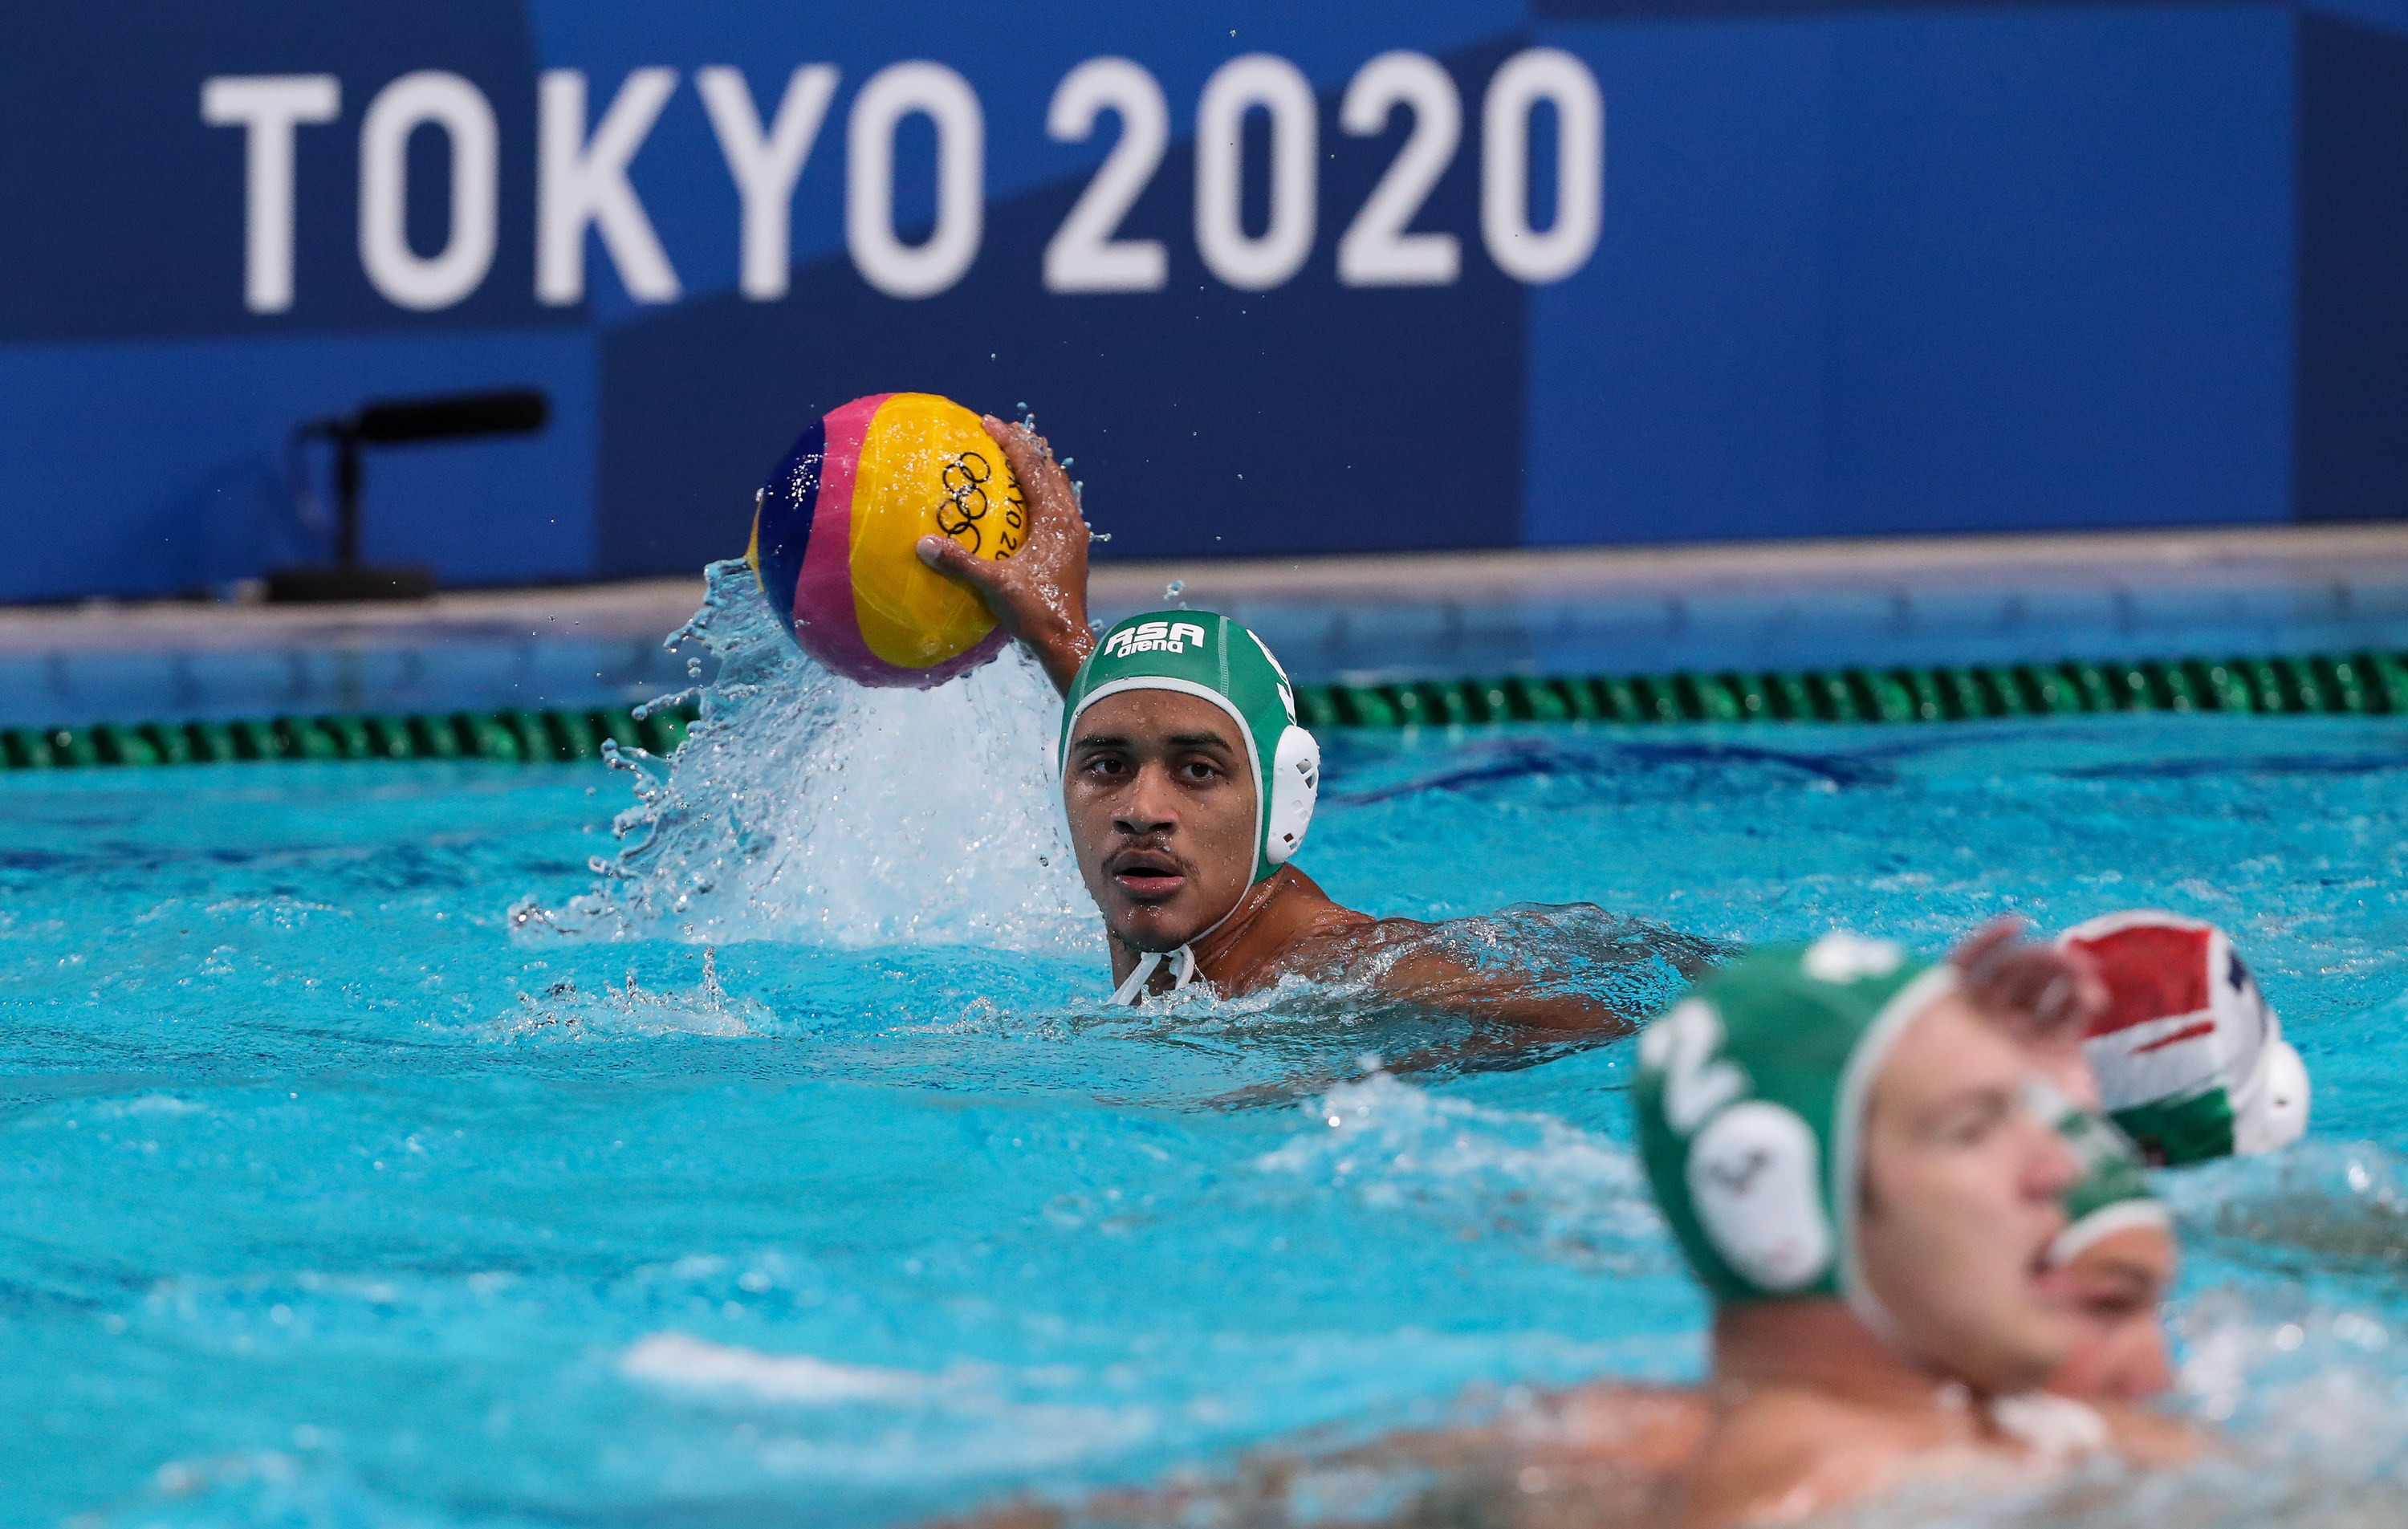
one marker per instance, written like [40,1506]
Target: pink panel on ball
[960,664]
[825,622]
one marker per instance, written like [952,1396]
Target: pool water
[396,1146]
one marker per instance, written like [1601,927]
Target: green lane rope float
[514,735]
[2358,684]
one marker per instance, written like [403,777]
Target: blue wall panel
[2352,454]
[2060,268]
[1863,270]
[161,467]
[1968,270]
[1677,383]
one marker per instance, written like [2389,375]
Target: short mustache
[1119,859]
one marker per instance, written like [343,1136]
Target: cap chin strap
[1182,961]
[1183,972]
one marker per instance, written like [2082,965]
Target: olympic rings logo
[966,505]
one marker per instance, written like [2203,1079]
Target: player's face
[2114,1287]
[1962,1180]
[1161,803]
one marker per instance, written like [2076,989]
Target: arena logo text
[1154,637]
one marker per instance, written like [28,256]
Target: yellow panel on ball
[926,465]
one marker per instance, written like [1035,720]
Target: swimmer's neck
[1823,1347]
[1246,950]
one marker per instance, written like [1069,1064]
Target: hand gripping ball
[834,531]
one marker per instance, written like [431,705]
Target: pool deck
[2291,555]
[1808,605]
[1783,605]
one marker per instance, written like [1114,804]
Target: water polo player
[1864,1170]
[1848,1401]
[2116,1258]
[1189,786]
[2190,1059]
[2116,1255]
[2176,1056]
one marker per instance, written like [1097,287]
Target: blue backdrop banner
[1280,280]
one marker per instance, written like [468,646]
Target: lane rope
[514,735]
[2358,684]
[2354,684]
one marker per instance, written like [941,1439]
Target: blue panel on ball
[788,501]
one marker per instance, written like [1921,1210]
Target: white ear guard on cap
[1293,789]
[2271,1108]
[2190,1058]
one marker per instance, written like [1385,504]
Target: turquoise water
[373,1158]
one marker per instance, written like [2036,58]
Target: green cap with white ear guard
[2112,1193]
[1751,1097]
[1207,656]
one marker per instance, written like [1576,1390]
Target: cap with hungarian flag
[2191,1062]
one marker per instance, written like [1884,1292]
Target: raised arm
[1038,594]
[2043,994]
[2038,989]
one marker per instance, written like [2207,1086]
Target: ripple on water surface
[373,1158]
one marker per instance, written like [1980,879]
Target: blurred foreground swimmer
[1864,1168]
[2150,1025]
[2116,1255]
[1616,1451]
[1189,786]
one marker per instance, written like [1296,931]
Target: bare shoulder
[1396,956]
[1292,928]
[1410,961]
[1387,952]
[2150,1440]
[1643,1428]
[1022,1514]
[1782,1454]
[1607,1452]
[1641,1431]
[1319,936]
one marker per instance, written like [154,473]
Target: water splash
[683,1361]
[803,807]
[563,1013]
[1569,1192]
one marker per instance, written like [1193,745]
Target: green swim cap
[1750,1098]
[2112,1193]
[1201,654]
